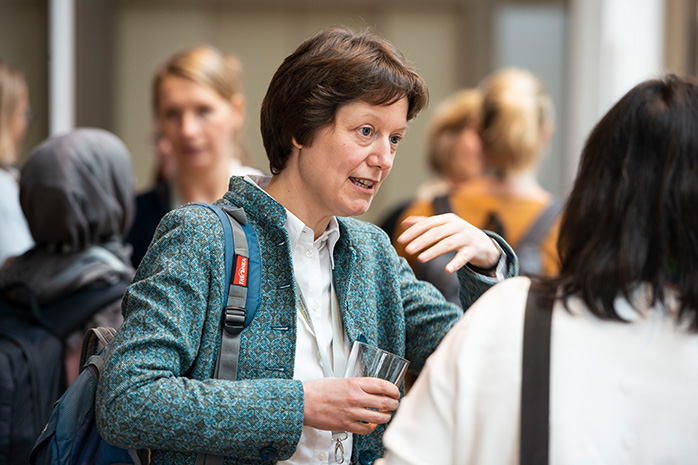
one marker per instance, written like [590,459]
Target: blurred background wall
[588,53]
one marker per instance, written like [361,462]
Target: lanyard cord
[337,367]
[338,355]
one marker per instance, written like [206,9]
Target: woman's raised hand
[440,234]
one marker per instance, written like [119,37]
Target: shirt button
[322,456]
[308,252]
[314,306]
[318,356]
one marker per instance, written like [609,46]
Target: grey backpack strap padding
[540,228]
[235,313]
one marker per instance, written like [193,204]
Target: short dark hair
[331,69]
[631,217]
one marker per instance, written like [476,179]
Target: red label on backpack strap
[240,278]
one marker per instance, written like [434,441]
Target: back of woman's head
[12,85]
[76,190]
[631,217]
[331,69]
[204,65]
[458,112]
[516,111]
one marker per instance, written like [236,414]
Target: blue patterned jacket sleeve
[156,390]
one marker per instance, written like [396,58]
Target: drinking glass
[371,361]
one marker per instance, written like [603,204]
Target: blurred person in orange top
[516,125]
[454,154]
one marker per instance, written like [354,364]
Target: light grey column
[614,44]
[61,65]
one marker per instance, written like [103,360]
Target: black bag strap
[535,378]
[442,204]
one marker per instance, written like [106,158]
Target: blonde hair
[207,66]
[12,85]
[515,110]
[457,112]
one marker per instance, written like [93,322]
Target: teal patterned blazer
[156,390]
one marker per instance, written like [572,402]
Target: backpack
[32,373]
[32,377]
[71,435]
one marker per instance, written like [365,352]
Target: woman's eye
[171,115]
[365,131]
[395,139]
[203,111]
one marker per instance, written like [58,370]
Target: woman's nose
[189,125]
[383,154]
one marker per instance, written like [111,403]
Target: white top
[15,237]
[620,393]
[312,267]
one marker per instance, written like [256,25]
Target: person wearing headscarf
[76,192]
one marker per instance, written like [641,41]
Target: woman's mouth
[363,183]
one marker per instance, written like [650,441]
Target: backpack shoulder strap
[241,297]
[90,342]
[535,378]
[539,229]
[243,275]
[442,204]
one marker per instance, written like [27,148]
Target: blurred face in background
[466,159]
[19,122]
[198,122]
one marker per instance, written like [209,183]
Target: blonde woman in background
[455,156]
[515,128]
[455,149]
[200,111]
[15,237]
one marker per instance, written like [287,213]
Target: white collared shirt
[312,267]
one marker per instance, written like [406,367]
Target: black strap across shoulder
[535,380]
[442,204]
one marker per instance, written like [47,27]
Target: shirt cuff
[499,268]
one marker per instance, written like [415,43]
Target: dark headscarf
[76,191]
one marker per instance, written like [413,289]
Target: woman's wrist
[490,270]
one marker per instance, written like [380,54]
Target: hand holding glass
[370,361]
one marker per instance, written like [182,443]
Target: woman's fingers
[349,404]
[430,237]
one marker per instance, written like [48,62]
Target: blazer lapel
[355,315]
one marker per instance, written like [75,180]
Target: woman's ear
[237,103]
[295,143]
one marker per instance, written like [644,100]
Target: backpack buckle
[234,319]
